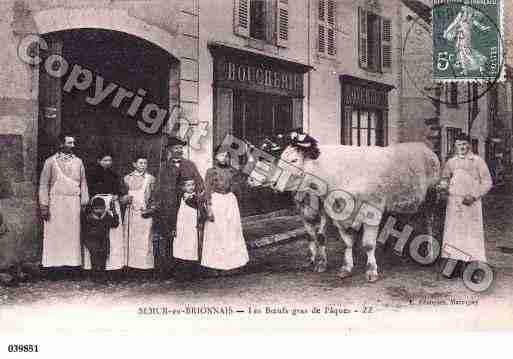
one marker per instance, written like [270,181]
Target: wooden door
[255,117]
[131,64]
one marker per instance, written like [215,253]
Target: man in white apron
[468,179]
[62,194]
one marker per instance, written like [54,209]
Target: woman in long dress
[137,223]
[224,247]
[106,184]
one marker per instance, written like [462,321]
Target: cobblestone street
[274,279]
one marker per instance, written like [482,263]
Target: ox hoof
[321,267]
[372,277]
[344,273]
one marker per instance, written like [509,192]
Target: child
[103,181]
[224,246]
[98,223]
[138,219]
[191,214]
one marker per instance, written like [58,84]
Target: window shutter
[322,31]
[322,39]
[332,43]
[332,50]
[283,23]
[363,51]
[322,10]
[331,12]
[327,27]
[241,17]
[386,45]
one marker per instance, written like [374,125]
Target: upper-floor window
[374,42]
[265,20]
[257,19]
[452,133]
[327,36]
[451,94]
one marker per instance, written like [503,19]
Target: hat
[184,178]
[172,141]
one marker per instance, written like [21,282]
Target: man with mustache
[63,193]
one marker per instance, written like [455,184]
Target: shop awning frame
[222,49]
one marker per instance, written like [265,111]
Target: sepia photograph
[273,166]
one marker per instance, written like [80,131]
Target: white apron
[463,232]
[138,231]
[118,257]
[224,246]
[61,241]
[185,245]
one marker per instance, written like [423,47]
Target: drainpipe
[469,107]
[309,50]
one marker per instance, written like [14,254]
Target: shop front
[256,96]
[364,112]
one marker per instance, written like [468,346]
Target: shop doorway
[132,64]
[257,116]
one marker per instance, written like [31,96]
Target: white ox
[353,184]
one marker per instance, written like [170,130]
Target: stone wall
[416,77]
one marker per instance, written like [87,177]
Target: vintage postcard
[220,166]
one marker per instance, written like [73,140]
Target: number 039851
[23,348]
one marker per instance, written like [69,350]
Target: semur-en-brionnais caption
[466,2]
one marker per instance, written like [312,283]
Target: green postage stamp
[467,41]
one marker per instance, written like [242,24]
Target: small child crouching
[97,224]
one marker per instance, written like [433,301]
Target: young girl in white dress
[224,247]
[190,218]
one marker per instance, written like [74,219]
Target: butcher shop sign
[244,70]
[265,77]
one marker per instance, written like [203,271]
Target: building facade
[354,92]
[122,75]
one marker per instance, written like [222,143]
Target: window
[452,133]
[265,20]
[475,103]
[257,20]
[375,41]
[475,145]
[451,94]
[366,128]
[493,124]
[327,42]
